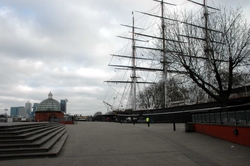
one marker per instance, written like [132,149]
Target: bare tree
[151,96]
[98,113]
[212,49]
[148,98]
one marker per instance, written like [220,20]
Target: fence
[236,115]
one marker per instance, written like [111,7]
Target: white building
[28,107]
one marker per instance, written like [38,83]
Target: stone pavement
[115,144]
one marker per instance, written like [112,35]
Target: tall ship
[146,59]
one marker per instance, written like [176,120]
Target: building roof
[49,104]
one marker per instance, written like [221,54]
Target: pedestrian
[147,121]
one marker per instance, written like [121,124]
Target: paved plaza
[115,144]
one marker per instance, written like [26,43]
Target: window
[198,117]
[203,118]
[207,118]
[248,116]
[212,117]
[241,117]
[217,117]
[224,117]
[193,117]
[231,117]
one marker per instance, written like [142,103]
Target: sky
[64,47]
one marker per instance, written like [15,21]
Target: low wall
[236,134]
[67,122]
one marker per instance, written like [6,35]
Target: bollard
[174,126]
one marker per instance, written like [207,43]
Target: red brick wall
[45,115]
[226,132]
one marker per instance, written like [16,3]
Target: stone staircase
[30,140]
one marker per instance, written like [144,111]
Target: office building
[63,104]
[13,111]
[21,111]
[35,106]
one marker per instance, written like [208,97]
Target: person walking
[147,121]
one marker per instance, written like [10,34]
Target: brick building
[48,110]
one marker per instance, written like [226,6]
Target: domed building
[48,110]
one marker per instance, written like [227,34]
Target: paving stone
[115,144]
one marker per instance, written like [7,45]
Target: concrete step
[20,131]
[31,140]
[26,133]
[44,146]
[34,141]
[18,127]
[29,136]
[52,152]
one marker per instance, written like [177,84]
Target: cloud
[64,47]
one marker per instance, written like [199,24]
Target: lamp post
[6,111]
[6,114]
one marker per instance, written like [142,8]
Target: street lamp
[6,111]
[6,114]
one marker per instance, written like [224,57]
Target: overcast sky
[64,47]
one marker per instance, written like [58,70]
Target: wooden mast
[164,58]
[134,67]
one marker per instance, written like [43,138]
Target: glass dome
[49,104]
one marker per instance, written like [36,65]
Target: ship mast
[207,42]
[207,48]
[134,67]
[133,81]
[163,50]
[164,57]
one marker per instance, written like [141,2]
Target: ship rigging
[143,57]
